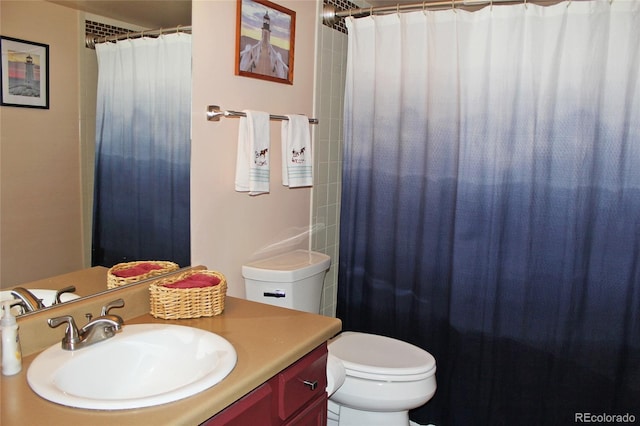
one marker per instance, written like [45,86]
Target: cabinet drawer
[302,382]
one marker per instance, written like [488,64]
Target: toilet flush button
[276,294]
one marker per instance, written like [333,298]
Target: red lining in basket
[195,281]
[134,271]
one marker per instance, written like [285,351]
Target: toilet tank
[291,280]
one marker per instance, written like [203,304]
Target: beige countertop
[267,339]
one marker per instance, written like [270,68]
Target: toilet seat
[335,374]
[375,357]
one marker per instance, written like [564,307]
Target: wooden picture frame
[25,73]
[265,36]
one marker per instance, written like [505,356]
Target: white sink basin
[142,366]
[47,296]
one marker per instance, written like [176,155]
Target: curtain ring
[178,30]
[371,12]
[424,8]
[398,9]
[453,6]
[525,5]
[491,5]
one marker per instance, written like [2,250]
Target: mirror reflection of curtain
[491,205]
[142,184]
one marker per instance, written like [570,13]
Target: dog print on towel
[262,157]
[297,157]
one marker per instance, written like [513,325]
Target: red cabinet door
[314,415]
[302,382]
[250,410]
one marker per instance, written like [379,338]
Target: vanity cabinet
[294,397]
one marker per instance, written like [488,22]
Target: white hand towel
[297,160]
[252,165]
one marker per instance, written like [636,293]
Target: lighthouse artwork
[24,73]
[265,41]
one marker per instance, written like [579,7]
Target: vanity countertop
[267,339]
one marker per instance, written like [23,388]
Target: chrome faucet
[118,303]
[30,303]
[62,291]
[28,300]
[98,329]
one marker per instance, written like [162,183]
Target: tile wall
[330,77]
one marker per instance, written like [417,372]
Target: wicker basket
[114,281]
[180,303]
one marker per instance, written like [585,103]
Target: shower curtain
[143,125]
[491,205]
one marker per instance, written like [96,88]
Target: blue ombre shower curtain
[143,131]
[491,205]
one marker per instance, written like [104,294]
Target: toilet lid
[371,354]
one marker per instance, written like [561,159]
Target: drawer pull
[312,385]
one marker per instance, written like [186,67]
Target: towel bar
[214,113]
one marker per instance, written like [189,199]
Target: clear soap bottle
[11,352]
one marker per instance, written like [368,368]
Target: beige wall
[229,227]
[40,216]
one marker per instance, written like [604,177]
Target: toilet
[384,379]
[371,380]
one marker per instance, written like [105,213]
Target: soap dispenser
[11,352]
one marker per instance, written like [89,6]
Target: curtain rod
[91,40]
[330,14]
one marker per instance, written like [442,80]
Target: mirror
[88,282]
[28,245]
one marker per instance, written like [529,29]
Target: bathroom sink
[47,297]
[142,366]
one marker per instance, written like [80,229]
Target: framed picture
[25,73]
[264,41]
